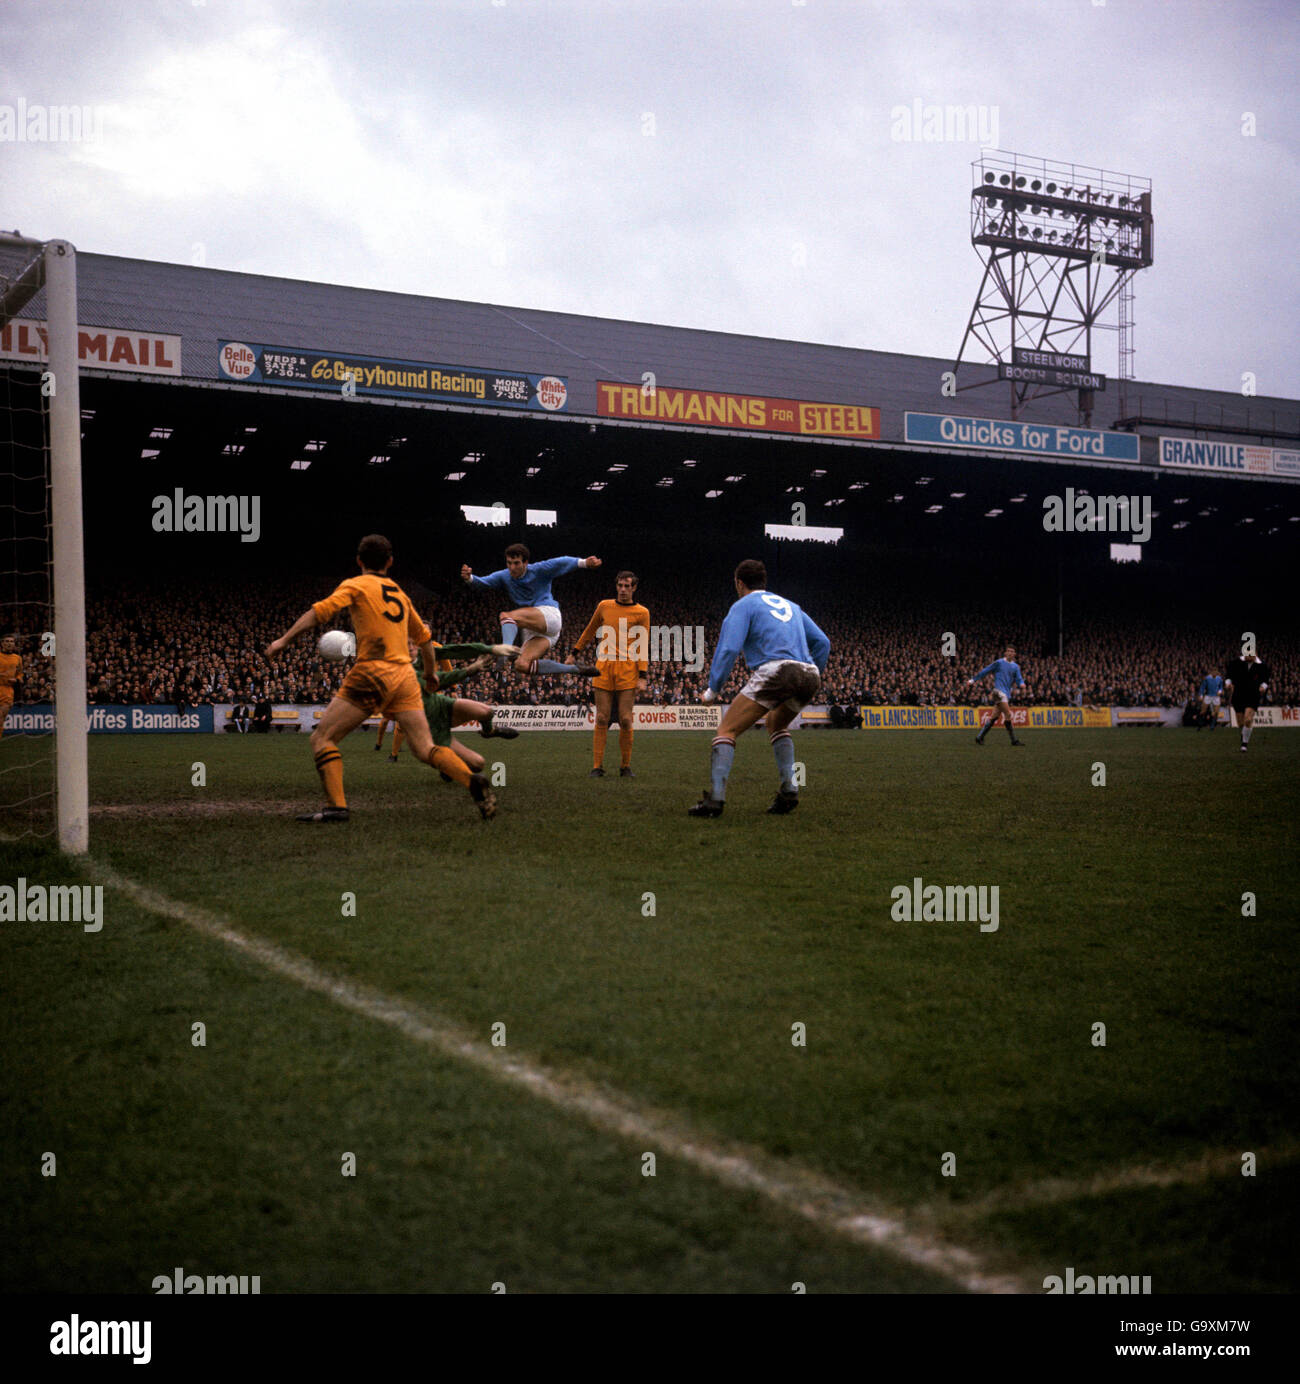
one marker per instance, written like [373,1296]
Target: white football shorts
[781,681]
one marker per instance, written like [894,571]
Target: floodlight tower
[1060,243]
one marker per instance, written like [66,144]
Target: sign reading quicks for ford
[999,435]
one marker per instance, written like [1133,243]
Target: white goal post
[54,268]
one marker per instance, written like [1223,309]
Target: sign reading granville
[752,412]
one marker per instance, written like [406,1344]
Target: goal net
[43,784]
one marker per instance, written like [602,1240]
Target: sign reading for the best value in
[752,412]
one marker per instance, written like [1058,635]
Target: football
[336,645]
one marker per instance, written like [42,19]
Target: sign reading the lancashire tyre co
[365,376]
[752,412]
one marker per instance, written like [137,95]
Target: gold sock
[598,745]
[329,765]
[451,764]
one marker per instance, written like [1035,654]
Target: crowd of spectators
[194,643]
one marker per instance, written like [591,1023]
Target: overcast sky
[727,164]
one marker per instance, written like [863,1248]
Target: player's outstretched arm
[307,620]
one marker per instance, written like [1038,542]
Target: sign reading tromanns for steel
[752,412]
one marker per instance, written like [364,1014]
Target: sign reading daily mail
[1228,458]
[364,376]
[997,435]
[98,348]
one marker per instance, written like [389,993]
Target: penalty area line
[815,1198]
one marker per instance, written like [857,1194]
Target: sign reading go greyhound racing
[300,368]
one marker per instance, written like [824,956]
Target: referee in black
[1247,678]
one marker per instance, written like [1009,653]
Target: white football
[336,645]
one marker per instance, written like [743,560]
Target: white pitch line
[830,1207]
[1211,1165]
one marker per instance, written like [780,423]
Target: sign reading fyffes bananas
[750,412]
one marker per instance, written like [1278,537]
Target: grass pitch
[670,959]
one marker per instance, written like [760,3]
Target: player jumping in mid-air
[1211,695]
[622,665]
[1247,678]
[381,680]
[536,613]
[786,654]
[11,673]
[1006,677]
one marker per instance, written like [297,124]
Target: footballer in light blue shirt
[536,613]
[1006,678]
[786,656]
[1211,695]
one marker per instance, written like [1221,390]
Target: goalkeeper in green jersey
[445,713]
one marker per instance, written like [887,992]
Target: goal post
[64,385]
[53,268]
